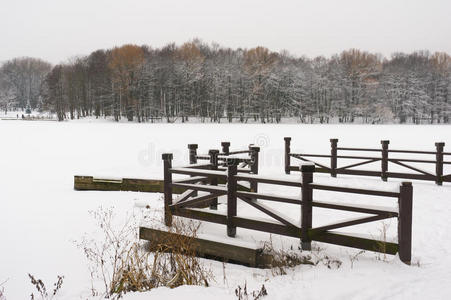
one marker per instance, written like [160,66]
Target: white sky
[57,30]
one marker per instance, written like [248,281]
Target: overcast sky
[57,30]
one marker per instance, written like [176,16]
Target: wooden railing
[187,205]
[383,157]
[217,159]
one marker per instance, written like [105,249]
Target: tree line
[216,84]
[21,80]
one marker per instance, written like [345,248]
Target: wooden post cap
[254,148]
[308,167]
[287,138]
[225,144]
[440,144]
[213,151]
[385,142]
[333,140]
[166,156]
[406,183]
[192,146]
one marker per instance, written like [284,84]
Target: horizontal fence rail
[382,155]
[204,186]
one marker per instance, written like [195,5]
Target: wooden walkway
[90,183]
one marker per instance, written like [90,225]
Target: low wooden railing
[384,158]
[187,205]
[217,158]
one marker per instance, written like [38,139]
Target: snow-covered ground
[42,216]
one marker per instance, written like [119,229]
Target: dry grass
[42,290]
[320,257]
[382,242]
[242,294]
[283,259]
[2,290]
[177,254]
[123,264]
[355,257]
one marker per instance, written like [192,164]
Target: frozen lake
[42,216]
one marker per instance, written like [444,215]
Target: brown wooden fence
[383,155]
[217,158]
[216,162]
[203,180]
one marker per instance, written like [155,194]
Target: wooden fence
[217,159]
[250,165]
[205,181]
[383,157]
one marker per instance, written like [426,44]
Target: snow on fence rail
[202,189]
[384,158]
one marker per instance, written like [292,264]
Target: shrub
[123,264]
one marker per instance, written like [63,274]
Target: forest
[211,83]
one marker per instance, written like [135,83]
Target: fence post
[306,207]
[384,161]
[287,154]
[214,180]
[405,222]
[225,148]
[167,164]
[193,158]
[231,196]
[333,157]
[254,166]
[192,153]
[439,163]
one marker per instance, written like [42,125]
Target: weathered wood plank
[355,242]
[89,183]
[201,215]
[253,257]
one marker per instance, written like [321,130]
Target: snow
[284,179]
[42,216]
[374,207]
[200,172]
[346,183]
